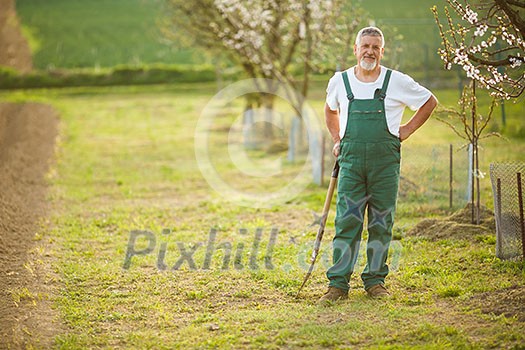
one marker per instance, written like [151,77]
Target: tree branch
[496,63]
[513,15]
[516,3]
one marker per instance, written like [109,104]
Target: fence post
[451,178]
[470,171]
[522,220]
[498,216]
[292,142]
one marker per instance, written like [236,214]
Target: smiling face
[369,51]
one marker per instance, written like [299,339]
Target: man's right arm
[332,123]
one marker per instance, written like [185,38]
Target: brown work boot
[333,294]
[378,291]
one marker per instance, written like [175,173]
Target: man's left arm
[418,119]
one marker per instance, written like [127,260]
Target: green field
[126,161]
[99,33]
[105,33]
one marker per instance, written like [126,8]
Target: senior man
[364,107]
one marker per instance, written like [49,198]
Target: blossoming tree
[267,37]
[281,41]
[487,42]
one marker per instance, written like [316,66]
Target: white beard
[367,66]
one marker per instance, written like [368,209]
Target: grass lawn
[126,163]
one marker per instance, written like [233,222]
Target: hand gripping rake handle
[320,232]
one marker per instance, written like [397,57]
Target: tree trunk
[267,117]
[475,138]
[478,205]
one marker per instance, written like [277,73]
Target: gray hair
[371,31]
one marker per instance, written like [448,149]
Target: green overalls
[369,176]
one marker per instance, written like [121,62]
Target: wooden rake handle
[320,232]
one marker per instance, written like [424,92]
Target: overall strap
[382,95]
[349,93]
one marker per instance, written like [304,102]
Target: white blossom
[515,62]
[481,30]
[470,16]
[472,44]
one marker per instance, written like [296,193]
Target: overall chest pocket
[367,114]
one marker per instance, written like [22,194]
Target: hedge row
[121,75]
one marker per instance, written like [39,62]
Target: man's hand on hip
[418,119]
[404,132]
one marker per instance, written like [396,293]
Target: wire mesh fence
[507,186]
[435,175]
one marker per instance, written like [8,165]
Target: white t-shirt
[402,91]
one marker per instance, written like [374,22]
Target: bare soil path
[27,142]
[14,49]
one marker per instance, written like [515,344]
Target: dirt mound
[508,301]
[27,139]
[457,225]
[14,50]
